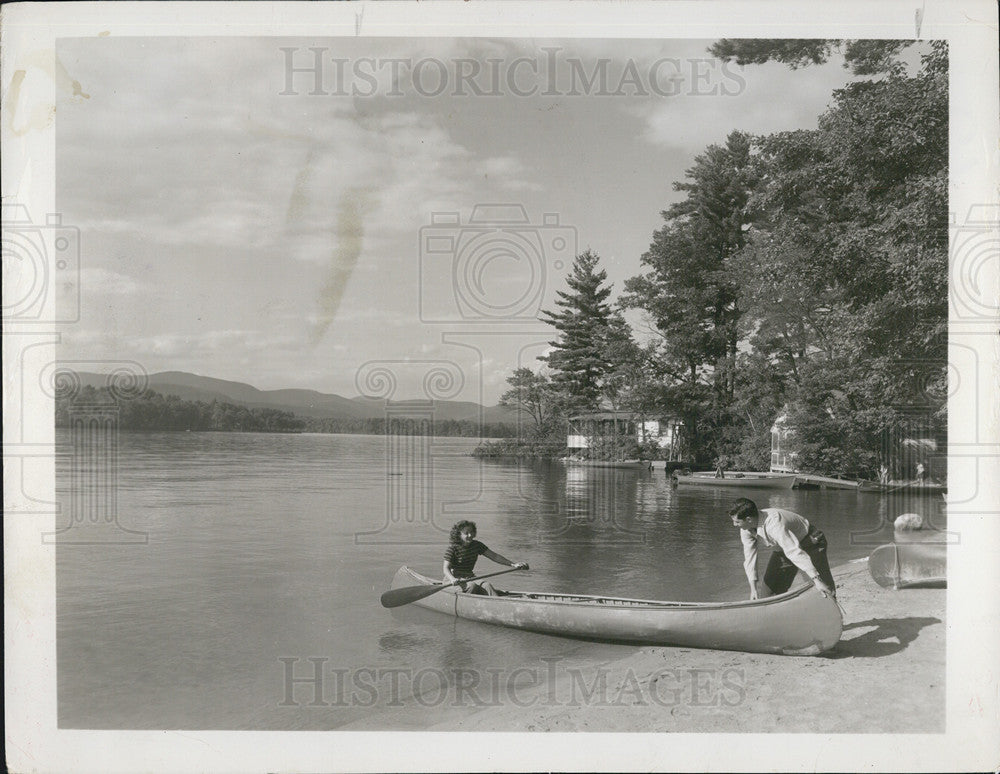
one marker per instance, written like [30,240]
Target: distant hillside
[303,403]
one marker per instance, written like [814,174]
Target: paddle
[404,596]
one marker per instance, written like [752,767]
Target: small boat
[910,565]
[740,480]
[907,487]
[629,464]
[800,622]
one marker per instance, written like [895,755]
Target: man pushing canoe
[798,546]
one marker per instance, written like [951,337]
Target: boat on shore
[910,565]
[739,479]
[800,622]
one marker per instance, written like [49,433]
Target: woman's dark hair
[453,535]
[743,509]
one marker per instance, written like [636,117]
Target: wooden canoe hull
[747,481]
[910,565]
[800,622]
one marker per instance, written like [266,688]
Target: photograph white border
[972,738]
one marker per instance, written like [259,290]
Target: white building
[601,428]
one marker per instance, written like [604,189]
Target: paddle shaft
[404,596]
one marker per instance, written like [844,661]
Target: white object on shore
[909,521]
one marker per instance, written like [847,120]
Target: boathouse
[783,454]
[916,446]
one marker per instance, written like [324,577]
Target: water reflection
[253,557]
[628,533]
[890,507]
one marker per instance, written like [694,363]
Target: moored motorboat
[736,479]
[907,487]
[910,565]
[800,622]
[626,464]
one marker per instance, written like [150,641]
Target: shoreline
[887,674]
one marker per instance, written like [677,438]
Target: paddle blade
[404,596]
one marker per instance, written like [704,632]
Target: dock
[811,480]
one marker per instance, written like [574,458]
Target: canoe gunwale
[588,600]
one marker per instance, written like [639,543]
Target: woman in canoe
[798,546]
[461,555]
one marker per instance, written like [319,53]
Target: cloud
[510,173]
[225,224]
[212,342]
[100,281]
[759,99]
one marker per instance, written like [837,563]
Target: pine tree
[584,319]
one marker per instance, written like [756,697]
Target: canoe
[910,565]
[740,480]
[800,622]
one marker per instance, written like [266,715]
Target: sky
[376,216]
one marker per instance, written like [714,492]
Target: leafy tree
[690,291]
[624,383]
[863,57]
[845,268]
[810,266]
[532,394]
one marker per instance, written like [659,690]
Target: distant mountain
[304,403]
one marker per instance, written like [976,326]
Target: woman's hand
[520,566]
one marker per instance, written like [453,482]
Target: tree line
[450,428]
[154,411]
[802,273]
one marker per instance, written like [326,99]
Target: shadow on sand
[887,636]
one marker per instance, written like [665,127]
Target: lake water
[265,555]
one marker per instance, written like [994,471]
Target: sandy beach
[887,674]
